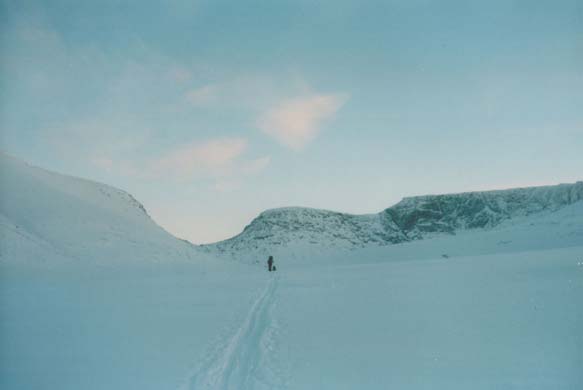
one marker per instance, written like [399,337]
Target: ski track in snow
[245,361]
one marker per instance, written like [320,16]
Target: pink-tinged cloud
[211,158]
[120,167]
[296,122]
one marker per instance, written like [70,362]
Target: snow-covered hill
[45,216]
[411,219]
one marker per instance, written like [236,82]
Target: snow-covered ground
[117,303]
[504,321]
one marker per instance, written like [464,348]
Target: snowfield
[94,295]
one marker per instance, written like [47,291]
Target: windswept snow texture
[411,219]
[244,361]
[47,217]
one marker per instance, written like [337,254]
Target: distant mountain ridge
[48,217]
[413,218]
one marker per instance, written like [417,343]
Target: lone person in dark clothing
[270,263]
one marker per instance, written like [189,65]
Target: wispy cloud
[221,159]
[296,122]
[180,74]
[257,165]
[120,167]
[202,96]
[210,158]
[243,169]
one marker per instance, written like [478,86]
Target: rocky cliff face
[417,216]
[412,218]
[296,225]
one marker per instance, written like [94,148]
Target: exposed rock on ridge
[412,218]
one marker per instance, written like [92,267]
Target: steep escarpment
[418,216]
[413,218]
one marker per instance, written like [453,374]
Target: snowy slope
[497,305]
[292,230]
[46,216]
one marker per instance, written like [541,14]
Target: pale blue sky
[212,111]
